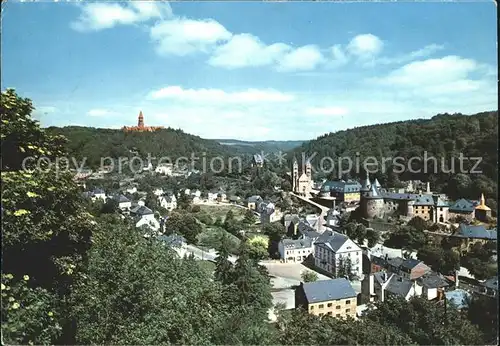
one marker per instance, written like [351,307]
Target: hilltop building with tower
[140,126]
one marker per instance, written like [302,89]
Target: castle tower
[295,174]
[140,123]
[372,204]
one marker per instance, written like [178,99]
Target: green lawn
[207,265]
[221,210]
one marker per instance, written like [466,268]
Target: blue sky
[250,70]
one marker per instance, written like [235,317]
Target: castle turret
[372,204]
[365,185]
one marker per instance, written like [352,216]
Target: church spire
[483,202]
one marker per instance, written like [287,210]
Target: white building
[144,217]
[295,251]
[165,169]
[270,214]
[123,203]
[158,192]
[131,189]
[168,201]
[96,194]
[176,242]
[332,249]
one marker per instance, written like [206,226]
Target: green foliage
[425,322]
[211,238]
[249,218]
[483,312]
[477,261]
[257,248]
[407,238]
[442,260]
[184,224]
[28,314]
[275,231]
[309,276]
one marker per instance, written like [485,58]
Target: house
[463,208]
[440,211]
[165,169]
[257,160]
[423,206]
[144,217]
[413,269]
[468,235]
[212,195]
[96,194]
[234,199]
[221,196]
[433,286]
[168,201]
[124,204]
[176,242]
[295,251]
[343,191]
[138,203]
[305,231]
[332,218]
[333,250]
[334,298]
[460,298]
[131,189]
[380,285]
[489,288]
[270,214]
[253,201]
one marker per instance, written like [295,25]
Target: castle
[140,126]
[302,184]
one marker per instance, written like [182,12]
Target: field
[220,210]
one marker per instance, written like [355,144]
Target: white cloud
[245,50]
[301,59]
[184,36]
[431,72]
[328,111]
[99,16]
[364,46]
[218,95]
[99,112]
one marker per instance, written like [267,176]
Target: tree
[372,236]
[425,322]
[183,224]
[345,268]
[257,248]
[249,218]
[110,206]
[442,260]
[309,276]
[46,231]
[224,268]
[275,232]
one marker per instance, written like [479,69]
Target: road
[209,255]
[307,200]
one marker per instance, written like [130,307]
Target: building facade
[334,298]
[140,126]
[302,182]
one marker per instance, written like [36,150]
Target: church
[302,184]
[140,126]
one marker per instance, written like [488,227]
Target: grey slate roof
[297,244]
[491,283]
[424,200]
[254,199]
[464,206]
[332,240]
[325,290]
[121,199]
[476,232]
[307,231]
[374,193]
[289,218]
[432,280]
[141,210]
[377,184]
[399,285]
[173,240]
[395,262]
[410,263]
[341,186]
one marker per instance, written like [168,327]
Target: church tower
[140,123]
[295,174]
[308,169]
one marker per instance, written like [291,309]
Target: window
[321,314]
[347,310]
[312,307]
[329,313]
[337,315]
[338,307]
[321,306]
[348,302]
[329,305]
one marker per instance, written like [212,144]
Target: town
[249,173]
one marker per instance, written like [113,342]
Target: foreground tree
[309,276]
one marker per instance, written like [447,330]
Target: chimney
[456,278]
[428,187]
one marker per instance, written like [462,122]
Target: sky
[250,70]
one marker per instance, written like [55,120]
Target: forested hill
[444,135]
[252,147]
[94,143]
